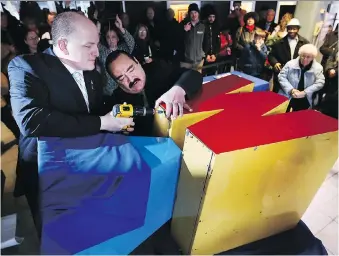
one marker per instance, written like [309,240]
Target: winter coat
[289,78]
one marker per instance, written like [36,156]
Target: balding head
[75,39]
[66,24]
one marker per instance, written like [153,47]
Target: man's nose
[96,52]
[129,77]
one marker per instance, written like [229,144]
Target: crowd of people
[254,45]
[112,62]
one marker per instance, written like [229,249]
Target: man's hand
[116,124]
[188,27]
[331,73]
[277,67]
[175,102]
[148,60]
[118,24]
[213,58]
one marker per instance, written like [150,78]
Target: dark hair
[252,15]
[236,2]
[26,31]
[24,49]
[136,33]
[109,27]
[113,56]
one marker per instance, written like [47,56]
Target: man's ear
[62,44]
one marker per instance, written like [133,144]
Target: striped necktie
[78,77]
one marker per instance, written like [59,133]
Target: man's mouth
[133,83]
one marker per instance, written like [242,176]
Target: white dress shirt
[78,76]
[293,45]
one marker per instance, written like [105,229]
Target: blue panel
[259,84]
[107,192]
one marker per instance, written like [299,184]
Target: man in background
[193,40]
[285,50]
[268,24]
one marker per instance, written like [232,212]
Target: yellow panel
[246,88]
[161,125]
[279,109]
[257,192]
[177,131]
[194,169]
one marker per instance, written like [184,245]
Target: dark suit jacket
[262,24]
[46,101]
[281,52]
[160,77]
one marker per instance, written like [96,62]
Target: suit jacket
[281,51]
[160,77]
[262,24]
[46,101]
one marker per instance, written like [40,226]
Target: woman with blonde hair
[300,78]
[280,31]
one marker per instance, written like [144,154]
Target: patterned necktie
[81,83]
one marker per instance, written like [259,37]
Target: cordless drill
[128,110]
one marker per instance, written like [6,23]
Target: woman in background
[280,31]
[144,49]
[300,78]
[31,39]
[114,38]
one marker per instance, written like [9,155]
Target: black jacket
[281,52]
[170,40]
[329,46]
[160,77]
[262,24]
[46,101]
[211,44]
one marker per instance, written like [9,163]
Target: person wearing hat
[211,44]
[245,35]
[193,57]
[285,50]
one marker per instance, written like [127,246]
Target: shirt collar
[72,70]
[69,68]
[295,39]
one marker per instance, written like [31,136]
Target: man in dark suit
[151,85]
[285,50]
[268,24]
[59,94]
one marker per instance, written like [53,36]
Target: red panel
[214,88]
[241,124]
[257,106]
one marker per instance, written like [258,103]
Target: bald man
[57,93]
[268,24]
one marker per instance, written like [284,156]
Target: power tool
[128,110]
